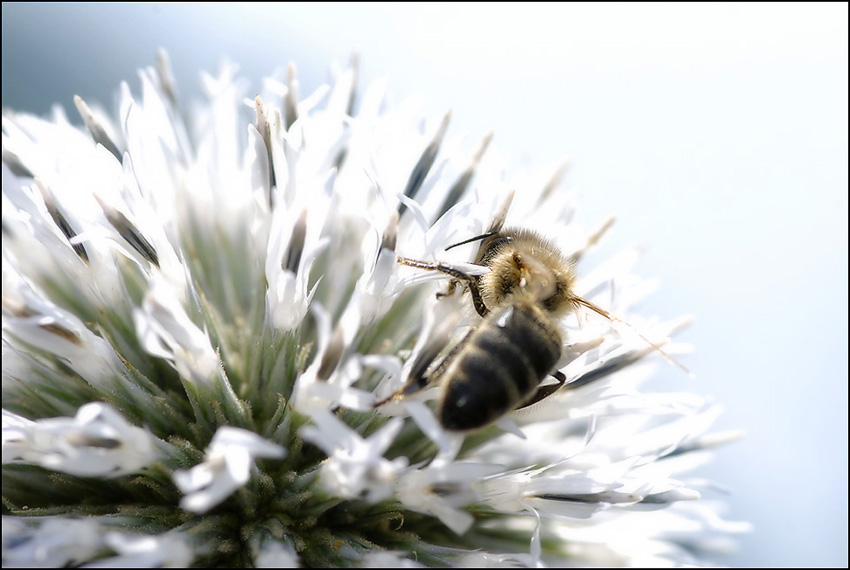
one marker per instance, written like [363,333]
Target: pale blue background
[717,134]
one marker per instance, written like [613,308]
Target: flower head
[222,346]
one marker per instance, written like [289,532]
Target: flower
[208,327]
[226,467]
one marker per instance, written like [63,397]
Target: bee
[500,364]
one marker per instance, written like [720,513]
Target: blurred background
[716,133]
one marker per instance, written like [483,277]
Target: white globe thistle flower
[222,347]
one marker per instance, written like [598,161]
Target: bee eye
[491,247]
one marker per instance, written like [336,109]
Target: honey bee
[500,363]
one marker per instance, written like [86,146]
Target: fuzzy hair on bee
[525,265]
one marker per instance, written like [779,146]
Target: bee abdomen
[503,363]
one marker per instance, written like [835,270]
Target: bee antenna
[476,238]
[670,360]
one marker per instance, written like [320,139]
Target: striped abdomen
[499,367]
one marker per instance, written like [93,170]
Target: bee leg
[419,378]
[471,280]
[450,289]
[545,391]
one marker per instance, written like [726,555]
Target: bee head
[523,265]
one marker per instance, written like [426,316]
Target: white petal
[98,442]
